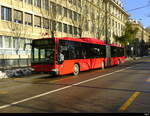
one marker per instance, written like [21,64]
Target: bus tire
[119,62]
[103,65]
[76,69]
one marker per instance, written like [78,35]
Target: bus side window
[62,51]
[71,51]
[102,51]
[77,50]
[113,51]
[83,53]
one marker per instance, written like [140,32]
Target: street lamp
[142,39]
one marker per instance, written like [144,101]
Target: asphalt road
[124,88]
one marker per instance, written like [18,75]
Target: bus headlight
[55,70]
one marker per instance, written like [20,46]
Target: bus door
[108,55]
[63,59]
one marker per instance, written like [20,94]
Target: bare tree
[99,18]
[18,31]
[81,20]
[148,29]
[54,12]
[100,22]
[88,15]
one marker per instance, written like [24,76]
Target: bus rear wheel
[76,69]
[119,62]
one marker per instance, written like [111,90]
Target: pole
[143,42]
[106,23]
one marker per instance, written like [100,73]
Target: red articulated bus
[60,56]
[67,55]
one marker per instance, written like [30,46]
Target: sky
[142,15]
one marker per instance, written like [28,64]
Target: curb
[133,58]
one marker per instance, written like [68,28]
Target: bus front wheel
[119,62]
[76,69]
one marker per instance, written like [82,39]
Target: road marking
[63,79]
[129,101]
[17,79]
[56,90]
[148,80]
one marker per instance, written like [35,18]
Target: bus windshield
[43,51]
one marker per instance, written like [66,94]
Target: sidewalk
[132,58]
[18,72]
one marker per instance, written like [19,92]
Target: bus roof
[84,40]
[71,39]
[93,40]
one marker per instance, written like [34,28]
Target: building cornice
[122,9]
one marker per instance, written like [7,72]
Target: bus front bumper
[55,71]
[46,69]
[52,71]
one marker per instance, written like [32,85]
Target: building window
[75,16]
[59,26]
[79,31]
[53,8]
[28,41]
[86,26]
[93,28]
[37,3]
[20,0]
[21,42]
[28,19]
[18,16]
[74,2]
[70,1]
[45,4]
[75,30]
[59,9]
[28,1]
[37,21]
[70,14]
[79,3]
[70,29]
[65,11]
[53,25]
[1,41]
[6,13]
[79,17]
[45,23]
[65,28]
[15,42]
[8,42]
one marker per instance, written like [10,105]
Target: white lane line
[53,91]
